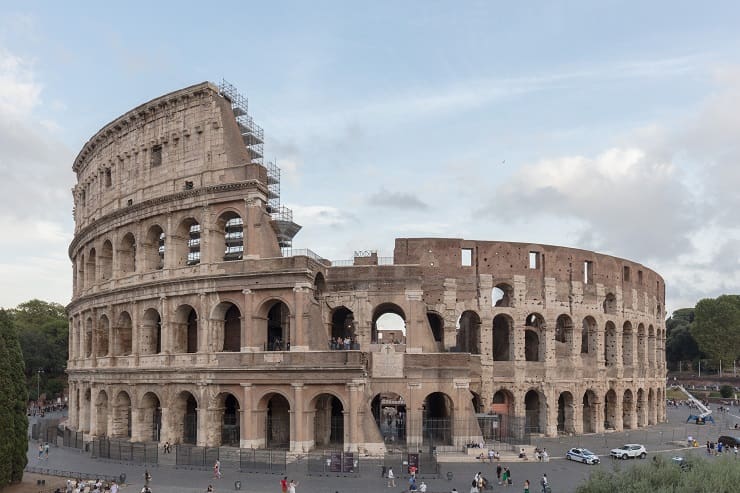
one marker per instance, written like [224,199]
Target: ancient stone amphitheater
[194,321]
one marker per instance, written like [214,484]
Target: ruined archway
[278,327]
[227,327]
[610,410]
[121,424]
[229,237]
[389,324]
[564,335]
[627,343]
[641,346]
[154,248]
[533,334]
[102,332]
[101,414]
[437,324]
[468,333]
[186,243]
[502,295]
[151,417]
[90,268]
[185,330]
[590,411]
[88,337]
[651,352]
[589,336]
[610,344]
[566,414]
[502,325]
[127,254]
[535,410]
[106,261]
[328,422]
[122,335]
[151,332]
[227,411]
[277,421]
[610,304]
[342,327]
[389,411]
[437,419]
[628,410]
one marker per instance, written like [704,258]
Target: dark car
[728,441]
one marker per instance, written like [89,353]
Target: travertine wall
[216,349]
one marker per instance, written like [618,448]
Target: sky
[608,126]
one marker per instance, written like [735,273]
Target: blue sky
[603,125]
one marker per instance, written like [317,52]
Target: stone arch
[641,346]
[437,324]
[150,412]
[468,334]
[502,295]
[590,411]
[502,330]
[319,286]
[275,407]
[502,405]
[151,332]
[90,268]
[610,410]
[186,242]
[81,272]
[437,419]
[627,343]
[226,419]
[227,327]
[328,420]
[102,335]
[342,326]
[185,330]
[122,334]
[651,409]
[389,323]
[651,351]
[533,337]
[389,411]
[641,409]
[566,413]
[106,261]
[610,344]
[229,237]
[121,423]
[535,411]
[610,304]
[127,254]
[564,335]
[101,414]
[589,336]
[154,248]
[185,418]
[88,337]
[628,410]
[277,325]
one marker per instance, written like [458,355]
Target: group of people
[288,486]
[96,486]
[342,343]
[43,451]
[719,447]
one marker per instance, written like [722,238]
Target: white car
[582,455]
[629,450]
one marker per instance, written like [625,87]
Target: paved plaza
[667,439]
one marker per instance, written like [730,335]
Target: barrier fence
[122,450]
[195,457]
[263,460]
[72,439]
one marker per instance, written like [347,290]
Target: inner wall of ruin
[190,324]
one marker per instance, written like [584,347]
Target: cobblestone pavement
[668,439]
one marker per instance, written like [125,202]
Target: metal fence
[263,460]
[425,463]
[329,462]
[62,473]
[125,451]
[192,456]
[72,439]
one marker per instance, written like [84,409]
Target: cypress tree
[13,400]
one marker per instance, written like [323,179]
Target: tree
[716,327]
[680,345]
[13,399]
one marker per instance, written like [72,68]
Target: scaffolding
[252,134]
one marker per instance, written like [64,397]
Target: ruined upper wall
[185,139]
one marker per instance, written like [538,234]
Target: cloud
[320,215]
[19,92]
[396,200]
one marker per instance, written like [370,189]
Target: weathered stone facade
[189,323]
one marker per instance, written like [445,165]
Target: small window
[534,260]
[467,257]
[626,276]
[130,202]
[108,177]
[588,272]
[188,185]
[639,276]
[156,156]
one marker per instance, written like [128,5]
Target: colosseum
[194,321]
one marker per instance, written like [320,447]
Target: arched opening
[185,416]
[101,415]
[88,337]
[589,336]
[641,408]
[566,414]
[610,344]
[477,402]
[610,304]
[342,328]
[651,347]
[319,286]
[627,343]
[102,337]
[535,323]
[468,334]
[186,242]
[328,422]
[278,327]
[154,248]
[231,237]
[564,332]
[277,422]
[651,407]
[80,272]
[502,406]
[628,410]
[127,254]
[151,417]
[122,335]
[389,411]
[610,410]
[185,328]
[90,267]
[502,325]
[121,426]
[502,295]
[641,346]
[437,418]
[389,324]
[151,332]
[590,411]
[437,324]
[106,261]
[534,412]
[230,433]
[227,325]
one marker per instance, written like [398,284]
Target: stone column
[618,412]
[137,417]
[414,415]
[203,422]
[247,326]
[135,330]
[351,444]
[72,404]
[298,439]
[577,416]
[166,342]
[551,413]
[203,325]
[247,422]
[298,340]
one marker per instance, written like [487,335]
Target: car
[582,455]
[629,450]
[729,441]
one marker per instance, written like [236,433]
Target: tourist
[498,473]
[423,487]
[509,481]
[491,453]
[114,487]
[284,484]
[545,484]
[217,469]
[391,478]
[526,486]
[474,487]
[209,489]
[46,450]
[505,476]
[292,486]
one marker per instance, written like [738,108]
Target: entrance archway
[641,408]
[328,422]
[628,410]
[502,325]
[151,417]
[229,420]
[277,421]
[121,426]
[185,418]
[535,412]
[389,411]
[468,334]
[590,411]
[437,419]
[610,410]
[566,413]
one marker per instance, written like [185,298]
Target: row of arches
[157,249]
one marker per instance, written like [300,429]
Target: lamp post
[38,385]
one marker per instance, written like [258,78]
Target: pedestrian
[474,486]
[209,489]
[41,451]
[526,486]
[284,484]
[217,469]
[147,477]
[490,456]
[423,487]
[509,481]
[505,476]
[292,486]
[734,449]
[114,487]
[46,450]
[391,478]
[382,471]
[545,484]
[167,447]
[498,473]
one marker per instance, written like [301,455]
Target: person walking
[391,478]
[292,486]
[505,476]
[46,450]
[509,481]
[526,486]
[284,484]
[498,473]
[423,487]
[147,477]
[217,469]
[545,483]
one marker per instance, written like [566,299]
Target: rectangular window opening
[626,276]
[156,156]
[534,260]
[108,177]
[588,272]
[467,257]
[639,276]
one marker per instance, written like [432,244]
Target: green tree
[680,345]
[716,327]
[13,399]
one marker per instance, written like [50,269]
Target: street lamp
[38,385]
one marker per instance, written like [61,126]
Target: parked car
[728,441]
[582,455]
[629,450]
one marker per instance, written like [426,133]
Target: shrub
[726,391]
